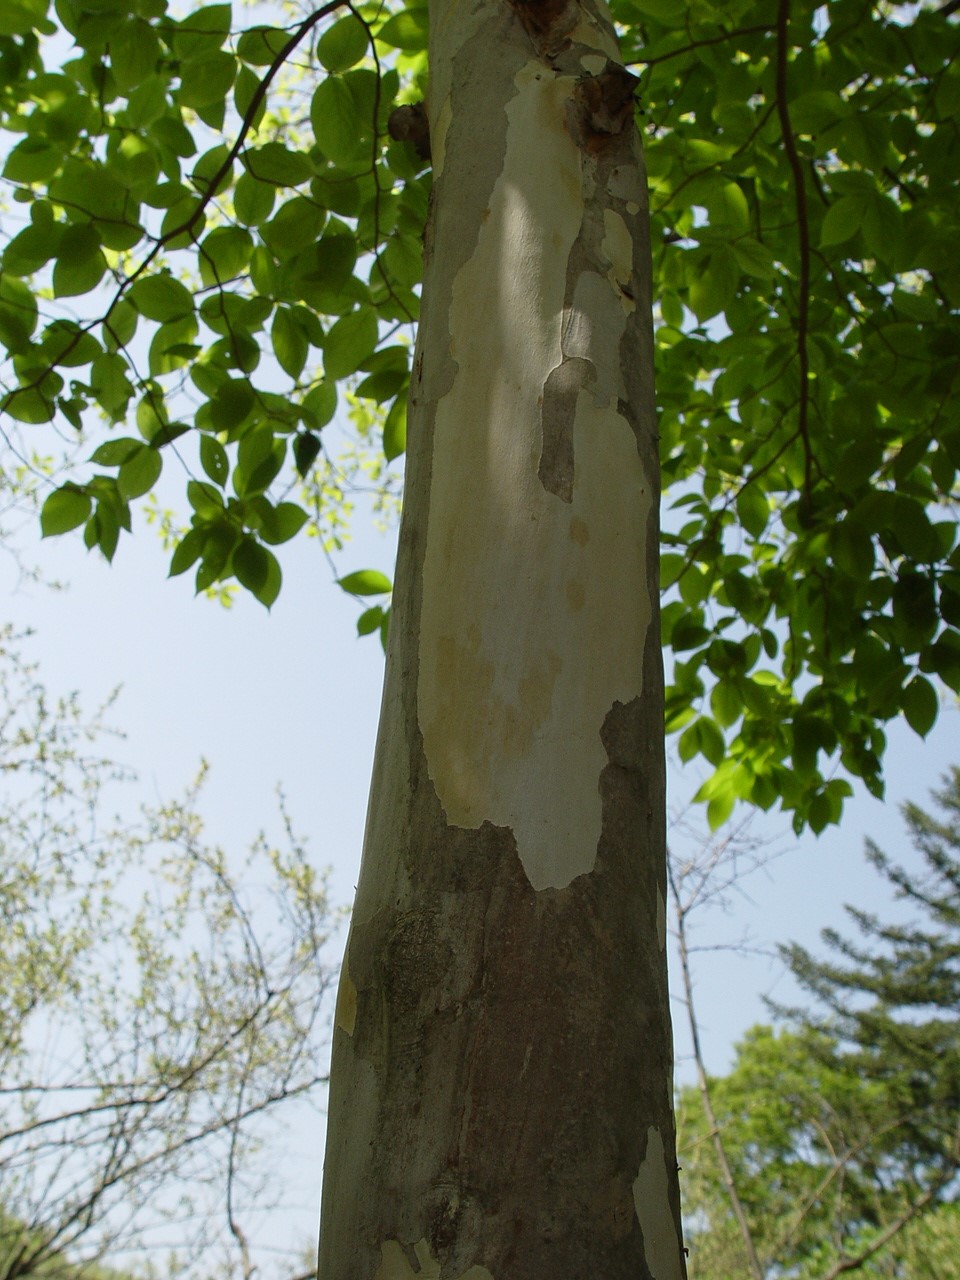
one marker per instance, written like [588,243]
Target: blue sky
[292,697]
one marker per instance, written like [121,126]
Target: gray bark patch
[557,415]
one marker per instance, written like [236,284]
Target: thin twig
[726,1173]
[803,234]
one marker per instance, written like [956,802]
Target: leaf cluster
[235,260]
[803,164]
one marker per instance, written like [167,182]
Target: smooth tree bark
[501,1095]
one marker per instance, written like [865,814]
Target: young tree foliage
[159,1003]
[209,227]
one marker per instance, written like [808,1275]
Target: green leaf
[33,160]
[753,257]
[161,297]
[140,472]
[815,111]
[714,284]
[134,53]
[319,405]
[338,127]
[306,446]
[206,80]
[253,200]
[349,342]
[31,249]
[20,17]
[395,429]
[290,344]
[103,529]
[203,30]
[213,459]
[720,808]
[80,262]
[370,620]
[727,207]
[65,509]
[853,550]
[188,551]
[297,225]
[406,30]
[843,220]
[403,259]
[135,163]
[259,460]
[920,705]
[343,45]
[260,46]
[205,499]
[29,404]
[282,522]
[819,813]
[224,254]
[232,403]
[366,582]
[113,453]
[172,346]
[712,745]
[65,343]
[753,508]
[688,744]
[110,384]
[883,227]
[245,89]
[273,162]
[725,703]
[257,569]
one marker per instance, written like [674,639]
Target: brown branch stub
[409,123]
[548,23]
[606,101]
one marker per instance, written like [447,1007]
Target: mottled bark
[501,1094]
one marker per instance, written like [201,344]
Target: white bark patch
[594,62]
[397,1264]
[592,36]
[652,1201]
[534,609]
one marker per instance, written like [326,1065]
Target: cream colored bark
[500,1104]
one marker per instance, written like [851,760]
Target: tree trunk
[500,1103]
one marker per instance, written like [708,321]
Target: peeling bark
[501,1093]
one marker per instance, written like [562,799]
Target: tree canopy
[214,237]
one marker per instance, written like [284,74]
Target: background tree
[158,1003]
[842,1131]
[54,1266]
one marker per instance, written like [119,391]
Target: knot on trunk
[409,123]
[548,23]
[606,101]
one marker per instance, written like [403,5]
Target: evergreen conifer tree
[892,995]
[842,1129]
